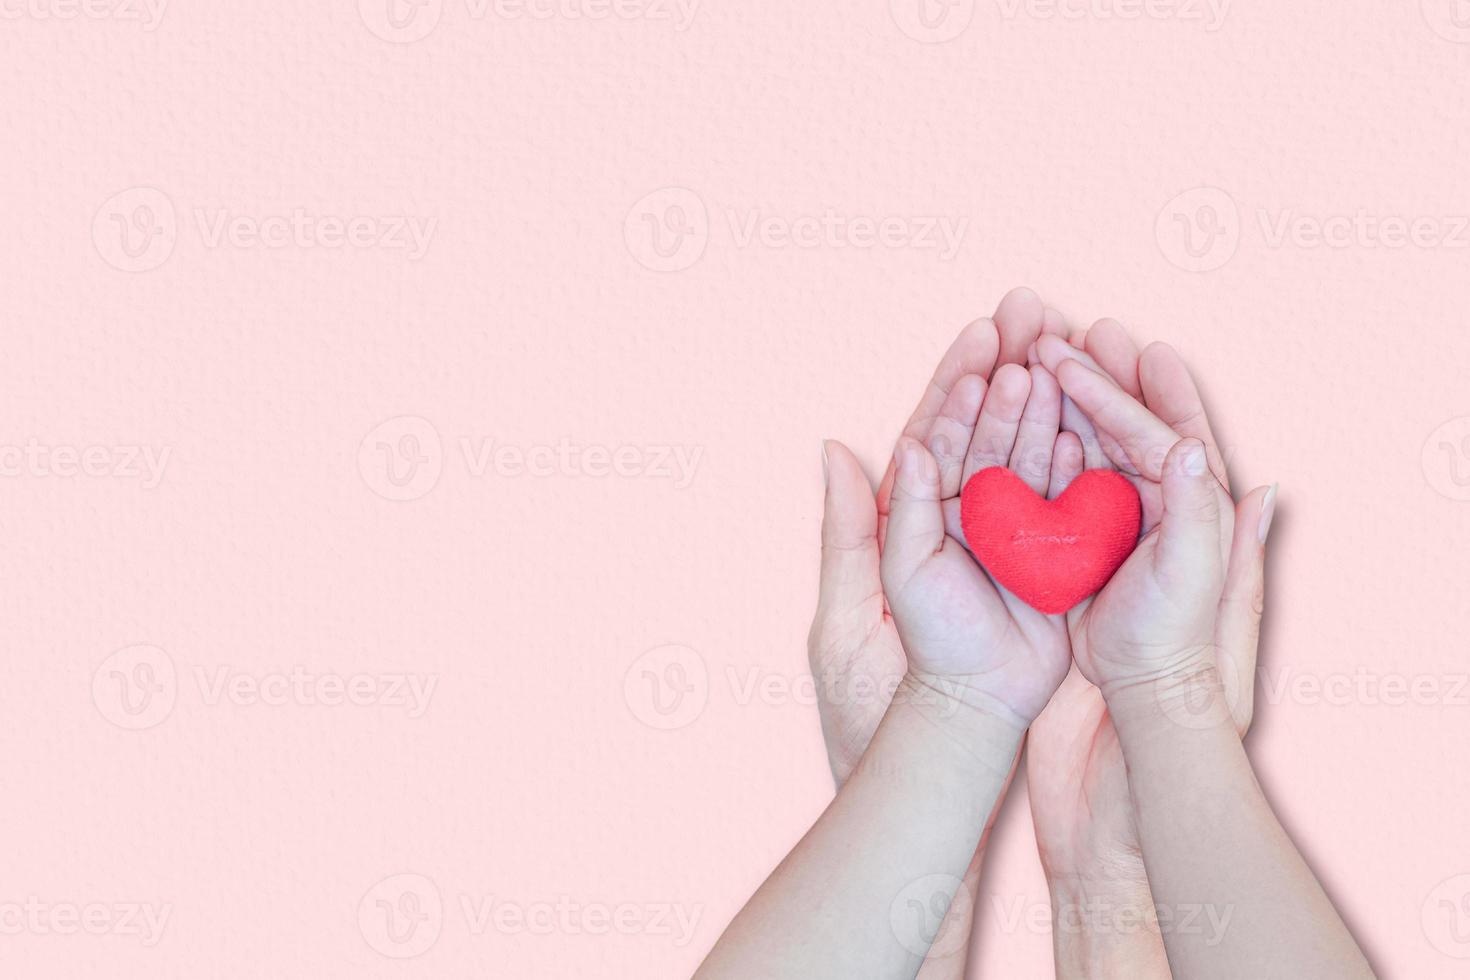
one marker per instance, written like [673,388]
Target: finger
[1188,554]
[849,574]
[1138,432]
[1238,629]
[1019,319]
[1067,463]
[1031,459]
[1172,395]
[1052,322]
[915,519]
[1102,450]
[1000,417]
[949,437]
[1115,352]
[973,352]
[1077,423]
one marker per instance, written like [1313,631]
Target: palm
[958,624]
[856,660]
[1079,787]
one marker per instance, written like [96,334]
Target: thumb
[1188,553]
[915,518]
[849,573]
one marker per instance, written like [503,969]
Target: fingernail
[1268,511]
[1193,463]
[825,477]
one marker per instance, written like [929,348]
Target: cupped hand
[1080,804]
[1192,586]
[959,626]
[853,647]
[856,656]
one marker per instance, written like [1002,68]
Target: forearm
[863,892]
[1106,930]
[949,956]
[1235,897]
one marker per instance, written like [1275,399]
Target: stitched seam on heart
[1035,538]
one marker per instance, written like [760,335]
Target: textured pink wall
[383,396]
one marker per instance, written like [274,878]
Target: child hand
[1156,625]
[963,632]
[1081,807]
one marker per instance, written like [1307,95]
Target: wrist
[960,706]
[1190,695]
[941,732]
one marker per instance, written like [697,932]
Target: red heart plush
[1050,553]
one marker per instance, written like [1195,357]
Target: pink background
[1135,167]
